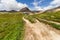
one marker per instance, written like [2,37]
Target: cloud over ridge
[14,5]
[52,4]
[11,5]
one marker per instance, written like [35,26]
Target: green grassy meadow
[49,16]
[11,26]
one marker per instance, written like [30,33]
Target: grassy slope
[49,16]
[11,26]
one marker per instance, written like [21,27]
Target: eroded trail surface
[40,31]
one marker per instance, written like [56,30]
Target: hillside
[11,26]
[45,26]
[53,9]
[20,26]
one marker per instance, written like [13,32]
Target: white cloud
[53,4]
[14,5]
[36,3]
[11,5]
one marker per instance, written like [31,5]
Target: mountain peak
[25,10]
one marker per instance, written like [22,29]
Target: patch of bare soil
[40,31]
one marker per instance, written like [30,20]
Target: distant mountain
[36,11]
[2,10]
[28,10]
[25,10]
[12,11]
[8,11]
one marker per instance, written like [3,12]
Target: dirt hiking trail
[40,31]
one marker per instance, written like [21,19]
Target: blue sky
[28,2]
[31,4]
[44,3]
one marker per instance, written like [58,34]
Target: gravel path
[40,31]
